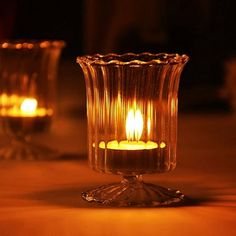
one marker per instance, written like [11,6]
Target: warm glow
[134,129]
[134,125]
[4,99]
[30,45]
[162,145]
[29,106]
[19,106]
[128,145]
[148,126]
[19,46]
[44,44]
[4,45]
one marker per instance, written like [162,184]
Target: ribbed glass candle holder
[28,72]
[132,102]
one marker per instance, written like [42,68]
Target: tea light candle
[132,155]
[29,108]
[131,145]
[134,128]
[22,114]
[15,106]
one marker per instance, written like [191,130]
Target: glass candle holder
[27,94]
[132,124]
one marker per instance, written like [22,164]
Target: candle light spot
[18,46]
[4,45]
[29,106]
[162,145]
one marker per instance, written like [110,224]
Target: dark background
[203,29]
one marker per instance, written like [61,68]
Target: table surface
[43,197]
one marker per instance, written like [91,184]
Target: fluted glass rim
[31,44]
[135,59]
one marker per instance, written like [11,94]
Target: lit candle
[134,129]
[28,106]
[133,154]
[17,106]
[22,114]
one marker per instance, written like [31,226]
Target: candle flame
[134,125]
[29,106]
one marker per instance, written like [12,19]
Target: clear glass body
[132,103]
[27,92]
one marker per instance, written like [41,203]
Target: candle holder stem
[132,191]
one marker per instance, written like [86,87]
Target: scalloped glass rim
[30,44]
[144,58]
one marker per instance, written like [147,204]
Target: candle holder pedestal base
[132,191]
[23,150]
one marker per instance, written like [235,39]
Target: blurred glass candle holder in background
[22,116]
[27,95]
[132,124]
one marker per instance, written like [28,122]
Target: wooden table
[43,197]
